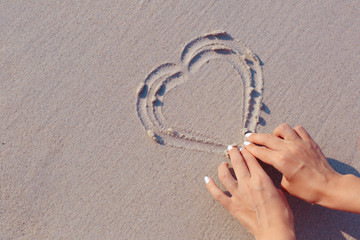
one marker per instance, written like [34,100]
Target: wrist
[332,192]
[279,233]
[343,194]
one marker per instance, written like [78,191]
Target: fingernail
[207,180]
[240,149]
[229,147]
[247,143]
[226,163]
[248,134]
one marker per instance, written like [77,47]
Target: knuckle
[315,146]
[267,136]
[258,180]
[299,127]
[222,174]
[296,149]
[281,127]
[282,157]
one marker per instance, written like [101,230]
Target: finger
[286,132]
[285,184]
[253,165]
[283,197]
[281,194]
[264,154]
[238,163]
[226,178]
[265,139]
[303,134]
[217,194]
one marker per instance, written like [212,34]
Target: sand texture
[196,54]
[112,112]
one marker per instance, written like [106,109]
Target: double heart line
[151,92]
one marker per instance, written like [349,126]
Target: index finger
[266,139]
[253,165]
[265,154]
[238,162]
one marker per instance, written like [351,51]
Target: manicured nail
[226,163]
[229,147]
[240,149]
[247,143]
[248,134]
[207,180]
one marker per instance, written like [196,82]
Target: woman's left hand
[255,201]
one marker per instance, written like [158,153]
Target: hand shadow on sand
[316,222]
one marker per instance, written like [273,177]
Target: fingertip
[232,149]
[217,194]
[244,150]
[247,146]
[247,135]
[247,143]
[209,183]
[234,154]
[207,179]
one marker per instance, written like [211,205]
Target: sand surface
[84,84]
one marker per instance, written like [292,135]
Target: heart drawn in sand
[151,92]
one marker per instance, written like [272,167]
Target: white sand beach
[86,87]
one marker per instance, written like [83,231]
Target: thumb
[285,185]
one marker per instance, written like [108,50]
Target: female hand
[306,172]
[254,201]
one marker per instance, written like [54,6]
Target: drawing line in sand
[151,92]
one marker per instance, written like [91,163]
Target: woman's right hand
[255,201]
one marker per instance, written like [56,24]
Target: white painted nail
[207,180]
[223,162]
[247,143]
[240,149]
[229,147]
[248,134]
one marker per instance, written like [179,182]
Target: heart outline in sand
[151,92]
